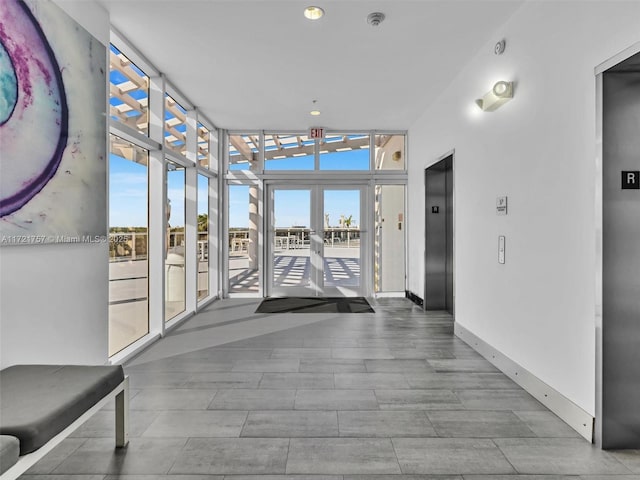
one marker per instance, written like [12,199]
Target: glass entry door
[314,240]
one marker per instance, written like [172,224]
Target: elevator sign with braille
[501,205]
[631,180]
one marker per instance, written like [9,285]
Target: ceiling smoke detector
[375,18]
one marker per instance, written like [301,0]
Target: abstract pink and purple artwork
[52,126]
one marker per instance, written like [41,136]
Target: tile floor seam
[424,412]
[493,440]
[395,453]
[612,457]
[260,381]
[52,469]
[212,400]
[286,460]
[244,424]
[186,440]
[376,397]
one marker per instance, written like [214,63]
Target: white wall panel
[539,150]
[53,304]
[54,298]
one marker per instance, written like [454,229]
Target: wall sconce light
[501,93]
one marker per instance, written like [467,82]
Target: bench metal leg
[122,415]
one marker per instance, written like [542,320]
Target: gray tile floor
[385,396]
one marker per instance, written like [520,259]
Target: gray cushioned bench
[41,404]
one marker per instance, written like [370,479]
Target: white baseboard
[581,421]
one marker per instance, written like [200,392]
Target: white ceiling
[259,64]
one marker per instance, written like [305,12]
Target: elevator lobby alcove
[439,282]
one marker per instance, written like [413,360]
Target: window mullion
[157,208]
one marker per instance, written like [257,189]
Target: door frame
[452,241]
[317,189]
[600,322]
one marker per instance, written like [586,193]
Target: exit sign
[316,132]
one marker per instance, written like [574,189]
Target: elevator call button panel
[501,242]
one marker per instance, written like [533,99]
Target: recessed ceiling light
[315,113]
[313,13]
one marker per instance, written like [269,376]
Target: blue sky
[346,160]
[292,207]
[128,194]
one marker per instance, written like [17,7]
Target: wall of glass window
[166,238]
[175,274]
[202,247]
[128,235]
[163,204]
[129,93]
[317,215]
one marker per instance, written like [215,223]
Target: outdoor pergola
[281,146]
[129,88]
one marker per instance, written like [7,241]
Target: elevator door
[621,257]
[439,281]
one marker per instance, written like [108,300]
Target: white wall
[539,150]
[54,298]
[92,16]
[53,304]
[391,261]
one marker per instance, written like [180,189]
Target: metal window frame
[159,155]
[261,177]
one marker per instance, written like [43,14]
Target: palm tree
[203,222]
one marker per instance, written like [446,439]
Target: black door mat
[315,305]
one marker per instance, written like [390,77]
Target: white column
[156,246]
[191,214]
[215,234]
[255,194]
[215,245]
[254,219]
[223,208]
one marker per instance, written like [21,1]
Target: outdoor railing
[127,246]
[296,237]
[133,245]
